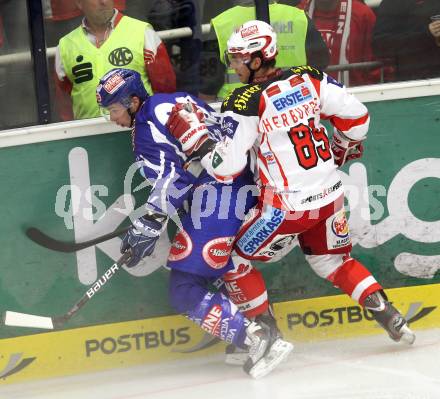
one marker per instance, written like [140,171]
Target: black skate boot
[389,317]
[235,356]
[267,320]
[266,351]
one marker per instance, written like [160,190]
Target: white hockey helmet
[251,37]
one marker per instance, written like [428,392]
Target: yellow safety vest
[289,23]
[85,64]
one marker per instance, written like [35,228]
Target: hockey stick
[50,323]
[37,236]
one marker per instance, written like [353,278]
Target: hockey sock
[247,289]
[217,315]
[355,280]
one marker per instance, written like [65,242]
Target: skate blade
[408,336]
[236,359]
[277,353]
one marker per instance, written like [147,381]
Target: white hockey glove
[344,149]
[186,124]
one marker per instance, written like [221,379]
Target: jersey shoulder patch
[243,100]
[308,70]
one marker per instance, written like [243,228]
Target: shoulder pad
[309,70]
[243,100]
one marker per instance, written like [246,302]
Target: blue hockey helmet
[119,86]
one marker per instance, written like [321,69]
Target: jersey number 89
[309,144]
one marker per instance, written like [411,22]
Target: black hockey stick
[50,323]
[37,236]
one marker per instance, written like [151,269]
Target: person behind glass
[201,251]
[347,28]
[2,40]
[60,17]
[16,77]
[184,51]
[408,33]
[105,39]
[299,43]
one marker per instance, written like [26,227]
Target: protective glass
[113,111]
[235,60]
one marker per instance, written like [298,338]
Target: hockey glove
[186,124]
[344,149]
[141,237]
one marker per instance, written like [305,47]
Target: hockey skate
[266,352]
[389,317]
[235,356]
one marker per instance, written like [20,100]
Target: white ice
[361,368]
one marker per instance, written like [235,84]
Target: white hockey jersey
[281,118]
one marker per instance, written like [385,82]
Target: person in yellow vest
[107,39]
[299,43]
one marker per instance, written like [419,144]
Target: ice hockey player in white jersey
[278,116]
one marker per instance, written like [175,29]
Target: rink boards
[69,180]
[162,339]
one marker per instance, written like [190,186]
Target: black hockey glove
[142,236]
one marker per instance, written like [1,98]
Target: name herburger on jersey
[288,118]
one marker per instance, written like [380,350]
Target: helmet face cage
[119,86]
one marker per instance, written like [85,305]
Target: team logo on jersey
[296,80]
[211,322]
[82,72]
[229,126]
[270,157]
[216,159]
[292,98]
[340,225]
[276,248]
[216,252]
[309,70]
[120,56]
[181,247]
[242,99]
[338,234]
[273,90]
[323,193]
[260,230]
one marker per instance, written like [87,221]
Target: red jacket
[359,46]
[1,31]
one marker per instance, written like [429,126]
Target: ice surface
[362,368]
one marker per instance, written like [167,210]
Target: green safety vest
[85,64]
[289,23]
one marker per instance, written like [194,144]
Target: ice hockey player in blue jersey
[201,250]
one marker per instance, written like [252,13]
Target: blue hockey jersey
[159,154]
